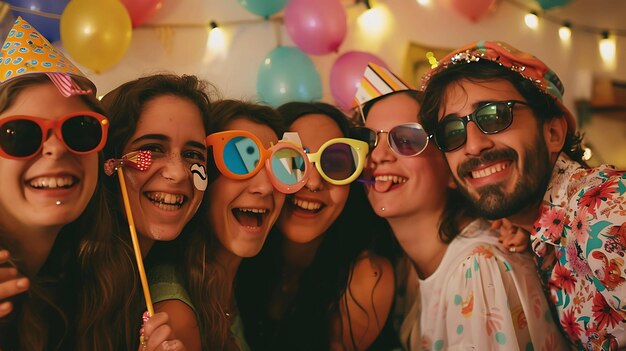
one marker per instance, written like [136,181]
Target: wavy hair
[323,284]
[206,277]
[45,316]
[112,300]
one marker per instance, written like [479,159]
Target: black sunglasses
[22,137]
[490,118]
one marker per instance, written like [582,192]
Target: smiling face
[163,198]
[501,173]
[403,185]
[311,211]
[52,188]
[242,212]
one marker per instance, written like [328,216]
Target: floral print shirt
[482,298]
[580,239]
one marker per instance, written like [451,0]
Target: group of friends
[457,215]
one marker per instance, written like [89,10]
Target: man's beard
[493,201]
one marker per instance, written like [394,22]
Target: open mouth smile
[250,217]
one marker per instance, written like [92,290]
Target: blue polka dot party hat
[26,51]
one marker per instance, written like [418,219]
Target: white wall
[183,50]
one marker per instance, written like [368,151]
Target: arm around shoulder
[366,303]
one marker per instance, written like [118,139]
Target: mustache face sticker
[200,179]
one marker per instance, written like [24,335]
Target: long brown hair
[205,276]
[46,313]
[324,286]
[112,301]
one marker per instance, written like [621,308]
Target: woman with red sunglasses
[51,132]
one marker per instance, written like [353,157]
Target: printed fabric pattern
[580,241]
[482,298]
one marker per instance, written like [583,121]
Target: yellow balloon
[96,33]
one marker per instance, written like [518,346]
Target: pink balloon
[317,27]
[474,9]
[346,74]
[141,10]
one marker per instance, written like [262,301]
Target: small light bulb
[217,41]
[532,21]
[607,48]
[374,22]
[565,32]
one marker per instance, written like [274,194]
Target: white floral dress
[481,298]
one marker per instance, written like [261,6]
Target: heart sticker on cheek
[200,180]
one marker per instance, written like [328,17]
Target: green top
[166,284]
[238,333]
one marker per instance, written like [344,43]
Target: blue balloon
[264,8]
[548,4]
[48,27]
[287,74]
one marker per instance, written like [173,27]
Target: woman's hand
[512,238]
[10,283]
[156,334]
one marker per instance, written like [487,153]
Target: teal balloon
[548,4]
[287,74]
[264,8]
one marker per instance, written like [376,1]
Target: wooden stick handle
[133,236]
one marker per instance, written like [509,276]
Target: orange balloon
[96,33]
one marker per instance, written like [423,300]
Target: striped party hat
[26,51]
[378,81]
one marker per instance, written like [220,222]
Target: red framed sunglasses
[22,137]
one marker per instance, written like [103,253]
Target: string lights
[373,21]
[606,43]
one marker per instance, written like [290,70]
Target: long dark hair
[45,316]
[112,301]
[325,282]
[204,276]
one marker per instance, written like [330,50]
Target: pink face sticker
[200,179]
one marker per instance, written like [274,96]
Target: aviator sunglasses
[240,155]
[490,118]
[408,139]
[22,137]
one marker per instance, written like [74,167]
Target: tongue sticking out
[248,218]
[383,186]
